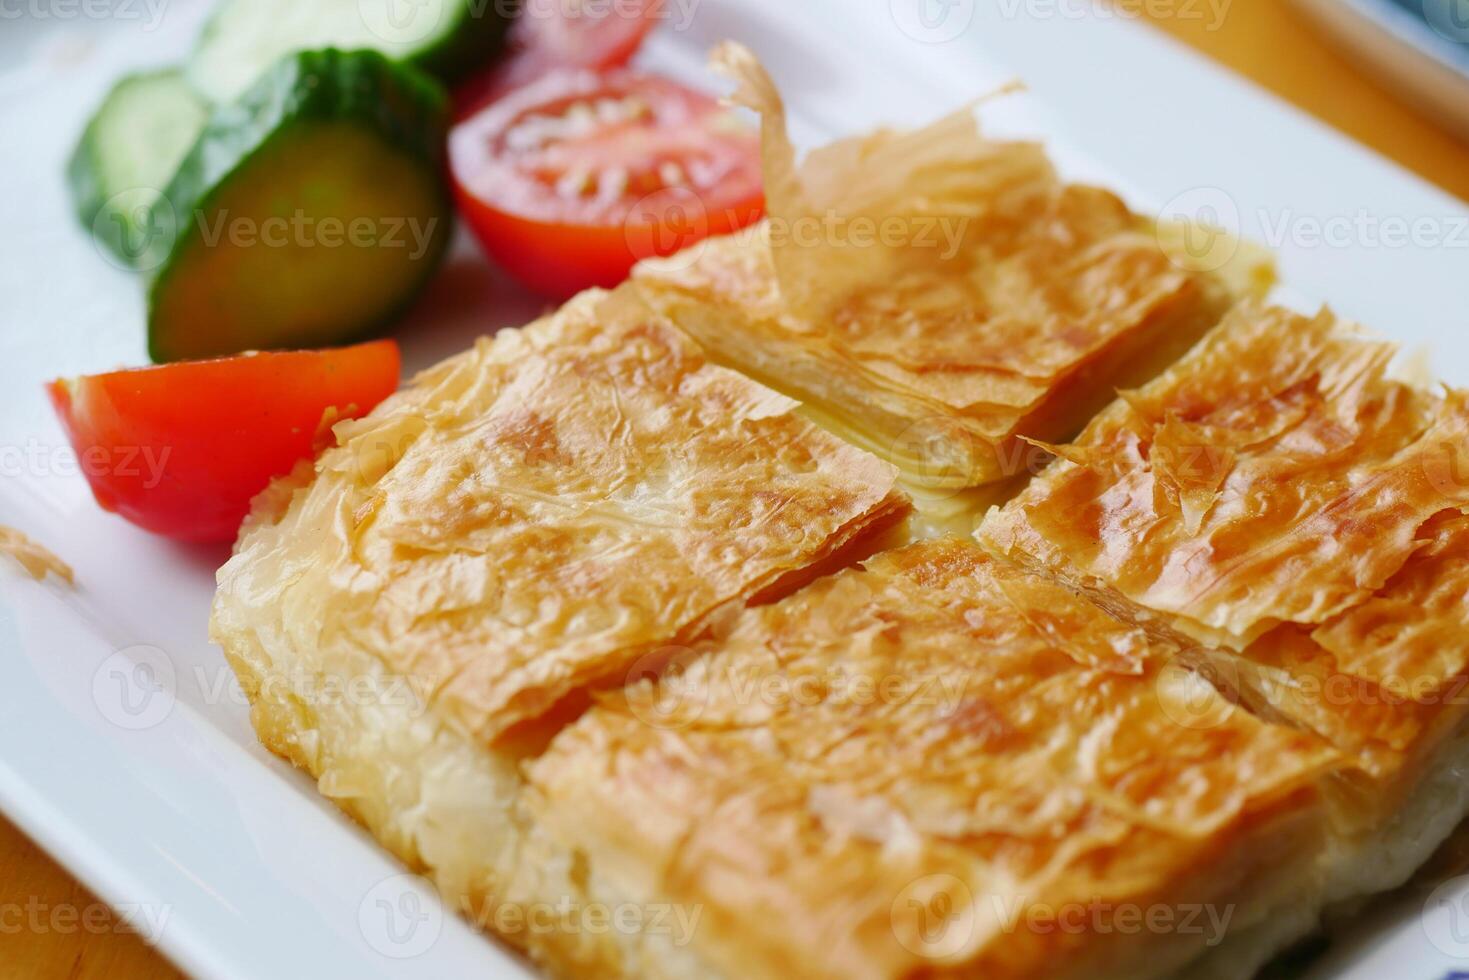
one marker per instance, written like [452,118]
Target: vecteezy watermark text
[36,917]
[680,698]
[402,917]
[1211,13]
[568,916]
[414,21]
[937,916]
[38,459]
[1205,224]
[681,226]
[302,230]
[137,688]
[148,12]
[143,226]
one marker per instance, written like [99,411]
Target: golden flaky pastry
[533,516]
[539,623]
[932,294]
[1293,514]
[542,514]
[940,765]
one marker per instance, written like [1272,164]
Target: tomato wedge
[181,449]
[570,180]
[551,34]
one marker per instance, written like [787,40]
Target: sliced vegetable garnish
[128,154]
[569,181]
[244,38]
[552,34]
[181,449]
[310,212]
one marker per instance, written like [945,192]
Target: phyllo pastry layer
[1286,507]
[538,516]
[933,294]
[935,765]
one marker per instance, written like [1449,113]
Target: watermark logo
[933,21]
[934,917]
[1450,18]
[135,230]
[1446,918]
[136,688]
[1447,468]
[402,21]
[401,917]
[1189,695]
[672,222]
[660,693]
[1199,229]
[942,456]
[938,453]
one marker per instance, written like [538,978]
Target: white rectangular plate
[126,746]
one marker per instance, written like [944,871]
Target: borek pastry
[934,295]
[1291,511]
[553,511]
[935,765]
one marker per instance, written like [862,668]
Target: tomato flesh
[552,34]
[569,181]
[181,449]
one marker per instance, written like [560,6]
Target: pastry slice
[933,295]
[937,765]
[1291,510]
[550,512]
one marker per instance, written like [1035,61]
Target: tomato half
[570,180]
[180,449]
[551,34]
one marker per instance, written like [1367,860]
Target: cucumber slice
[243,38]
[311,211]
[127,155]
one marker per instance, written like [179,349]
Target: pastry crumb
[36,560]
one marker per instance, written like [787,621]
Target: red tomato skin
[554,250]
[182,449]
[560,260]
[542,40]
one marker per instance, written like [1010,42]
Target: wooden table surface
[1267,41]
[51,928]
[1262,39]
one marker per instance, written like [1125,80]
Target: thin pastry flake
[1280,497]
[935,291]
[533,516]
[37,561]
[1389,677]
[937,726]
